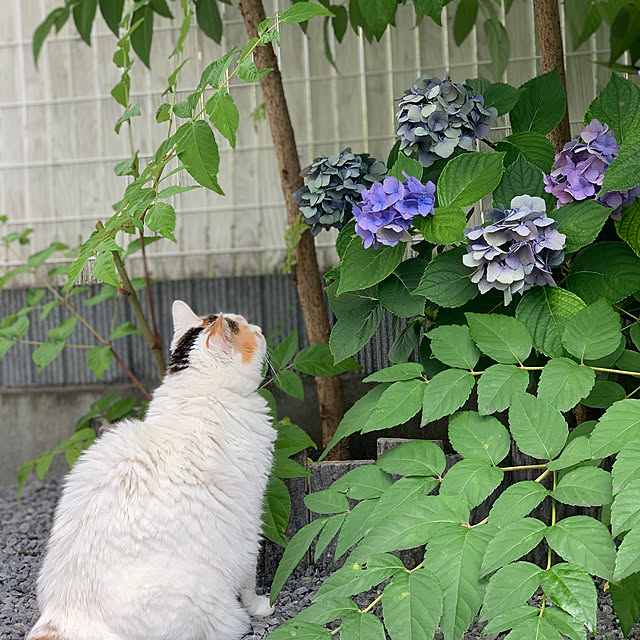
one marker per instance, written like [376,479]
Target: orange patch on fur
[217,329]
[245,342]
[51,633]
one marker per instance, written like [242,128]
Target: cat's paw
[257,606]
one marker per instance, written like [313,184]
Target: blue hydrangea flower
[387,209]
[437,118]
[578,170]
[333,186]
[516,250]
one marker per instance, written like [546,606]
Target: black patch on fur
[233,325]
[210,319]
[179,359]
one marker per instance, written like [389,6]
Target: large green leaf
[510,587]
[499,45]
[565,623]
[290,383]
[452,345]
[444,226]
[536,629]
[512,542]
[161,218]
[577,450]
[626,468]
[604,394]
[509,619]
[396,372]
[412,605]
[363,483]
[535,147]
[361,626]
[503,97]
[538,429]
[619,425]
[581,222]
[586,542]
[414,458]
[327,610]
[354,329]
[223,113]
[455,561]
[624,170]
[541,106]
[546,311]
[498,385]
[516,501]
[394,292]
[625,511]
[464,20]
[446,392]
[300,630]
[625,596]
[99,359]
[142,36]
[502,338]
[446,281]
[398,404]
[209,19]
[609,270]
[628,227]
[327,501]
[521,177]
[628,558]
[593,333]
[479,437]
[317,360]
[469,178]
[357,522]
[277,507]
[586,486]
[46,353]
[473,480]
[111,11]
[327,534]
[197,149]
[302,11]
[563,383]
[362,268]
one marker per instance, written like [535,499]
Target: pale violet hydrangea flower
[578,170]
[437,118]
[333,186]
[387,209]
[516,250]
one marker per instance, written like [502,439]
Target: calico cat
[157,531]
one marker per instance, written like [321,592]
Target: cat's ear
[183,318]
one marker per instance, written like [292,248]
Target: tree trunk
[551,57]
[306,275]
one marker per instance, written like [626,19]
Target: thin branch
[66,346]
[524,466]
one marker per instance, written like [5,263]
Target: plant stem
[131,375]
[542,476]
[372,604]
[524,466]
[66,346]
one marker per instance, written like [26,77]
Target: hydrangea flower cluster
[515,251]
[578,170]
[437,117]
[388,208]
[333,186]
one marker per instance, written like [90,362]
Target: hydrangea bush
[522,331]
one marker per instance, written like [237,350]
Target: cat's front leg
[257,606]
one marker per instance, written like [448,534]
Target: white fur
[156,534]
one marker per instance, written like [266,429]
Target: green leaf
[619,425]
[197,149]
[277,506]
[356,524]
[513,541]
[111,11]
[455,560]
[297,547]
[604,394]
[410,166]
[479,437]
[223,112]
[452,345]
[626,468]
[618,104]
[538,429]
[473,480]
[565,623]
[327,610]
[361,626]
[581,222]
[541,106]
[317,360]
[394,292]
[405,343]
[498,385]
[502,338]
[404,371]
[628,227]
[46,353]
[509,588]
[608,270]
[414,458]
[517,501]
[300,631]
[585,486]
[57,17]
[99,359]
[162,219]
[377,14]
[510,619]
[107,292]
[503,97]
[444,226]
[537,629]
[290,383]
[356,417]
[445,393]
[83,14]
[362,268]
[499,46]
[398,404]
[142,36]
[209,19]
[126,116]
[563,383]
[327,501]
[446,281]
[464,20]
[354,330]
[626,601]
[39,258]
[24,472]
[521,177]
[363,483]
[302,11]
[124,329]
[48,307]
[535,147]
[291,438]
[577,450]
[64,329]
[17,329]
[625,512]
[412,605]
[586,542]
[284,351]
[593,333]
[469,178]
[43,463]
[327,534]
[628,558]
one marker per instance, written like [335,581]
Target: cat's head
[223,343]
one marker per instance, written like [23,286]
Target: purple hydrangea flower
[333,186]
[578,170]
[516,250]
[388,208]
[437,118]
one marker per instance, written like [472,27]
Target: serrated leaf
[291,438]
[396,372]
[445,393]
[521,176]
[586,542]
[161,218]
[302,11]
[290,383]
[354,329]
[535,147]
[124,329]
[452,344]
[479,437]
[104,269]
[581,222]
[509,588]
[317,360]
[39,258]
[327,610]
[473,480]
[510,619]
[628,557]
[197,150]
[64,329]
[277,506]
[444,226]
[565,623]
[563,383]
[626,468]
[284,351]
[327,534]
[357,523]
[619,425]
[300,631]
[328,501]
[414,458]
[46,353]
[502,338]
[362,268]
[625,596]
[516,501]
[577,450]
[604,394]
[394,292]
[223,112]
[43,463]
[498,385]
[541,106]
[99,359]
[363,483]
[361,626]
[536,629]
[585,486]
[625,511]
[398,404]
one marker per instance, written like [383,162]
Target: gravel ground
[24,528]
